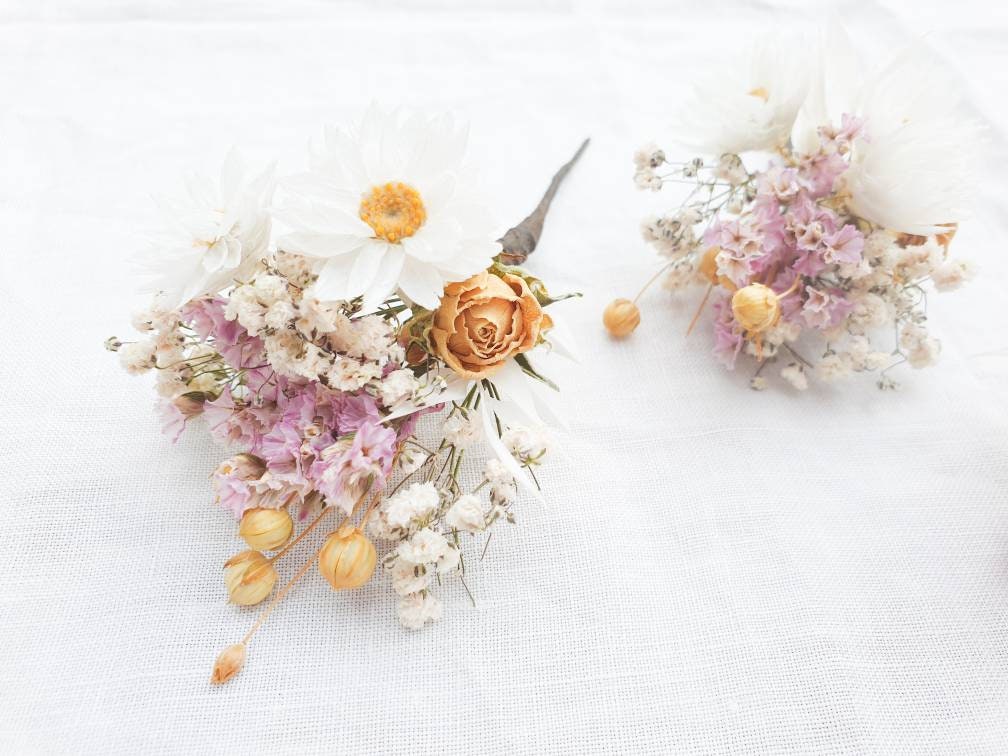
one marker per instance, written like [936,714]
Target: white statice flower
[460,431]
[418,608]
[952,274]
[527,445]
[750,103]
[138,356]
[390,205]
[397,386]
[280,314]
[794,374]
[466,514]
[409,505]
[218,235]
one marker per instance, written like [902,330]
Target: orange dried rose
[484,321]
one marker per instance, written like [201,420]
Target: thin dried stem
[519,242]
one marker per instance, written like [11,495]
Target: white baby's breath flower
[461,432]
[794,374]
[396,387]
[749,103]
[920,348]
[832,368]
[466,514]
[410,504]
[390,205]
[409,578]
[527,445]
[137,357]
[952,274]
[418,608]
[429,547]
[219,234]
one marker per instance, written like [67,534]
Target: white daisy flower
[750,103]
[218,234]
[389,206]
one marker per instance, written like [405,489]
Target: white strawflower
[396,387]
[912,171]
[410,504]
[417,608]
[460,431]
[952,274]
[749,103]
[390,205]
[137,357]
[466,514]
[219,234]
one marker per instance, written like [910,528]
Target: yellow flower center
[760,92]
[394,211]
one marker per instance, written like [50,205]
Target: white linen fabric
[716,570]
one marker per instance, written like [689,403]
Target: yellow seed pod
[249,577]
[228,663]
[756,308]
[266,529]
[707,267]
[621,317]
[347,558]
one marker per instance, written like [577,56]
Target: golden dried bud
[266,529]
[190,404]
[347,558]
[228,663]
[621,317]
[249,577]
[756,308]
[708,264]
[248,466]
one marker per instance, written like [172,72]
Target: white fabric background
[715,571]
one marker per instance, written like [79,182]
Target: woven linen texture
[715,570]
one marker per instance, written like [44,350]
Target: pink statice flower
[728,338]
[232,482]
[843,247]
[824,308]
[347,469]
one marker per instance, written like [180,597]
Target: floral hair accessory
[384,299]
[819,259]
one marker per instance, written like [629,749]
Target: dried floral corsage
[819,260]
[315,356]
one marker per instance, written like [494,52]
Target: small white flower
[417,608]
[415,502]
[220,232]
[409,578]
[461,432]
[758,383]
[396,387]
[649,156]
[833,367]
[952,274]
[279,314]
[466,514]
[411,460]
[428,547]
[527,445]
[795,375]
[137,357]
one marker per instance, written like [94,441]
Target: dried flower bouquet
[385,299]
[819,260]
